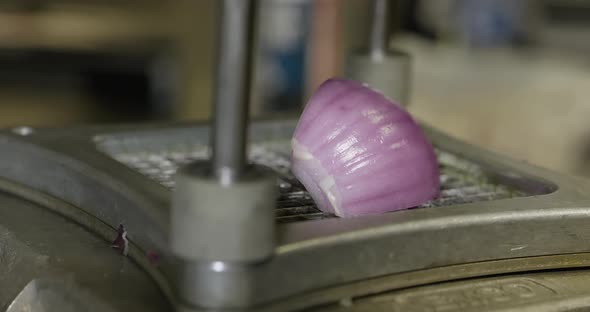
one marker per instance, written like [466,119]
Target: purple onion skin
[359,153]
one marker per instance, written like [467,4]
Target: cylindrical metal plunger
[216,222]
[222,233]
[383,69]
[222,220]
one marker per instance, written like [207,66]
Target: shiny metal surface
[345,295]
[380,67]
[317,262]
[56,295]
[211,222]
[462,181]
[540,291]
[379,36]
[222,212]
[219,232]
[232,88]
[49,262]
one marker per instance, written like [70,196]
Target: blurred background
[510,75]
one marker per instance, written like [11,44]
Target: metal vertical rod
[232,88]
[378,35]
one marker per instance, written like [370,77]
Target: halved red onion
[358,153]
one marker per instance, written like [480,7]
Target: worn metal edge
[90,223]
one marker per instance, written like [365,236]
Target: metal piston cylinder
[219,231]
[216,222]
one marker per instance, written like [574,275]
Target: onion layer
[358,153]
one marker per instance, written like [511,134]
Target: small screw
[23,130]
[346,302]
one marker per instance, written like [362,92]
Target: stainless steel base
[538,291]
[492,209]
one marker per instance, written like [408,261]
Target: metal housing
[320,260]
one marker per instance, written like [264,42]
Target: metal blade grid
[462,181]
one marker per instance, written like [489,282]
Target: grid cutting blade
[461,181]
